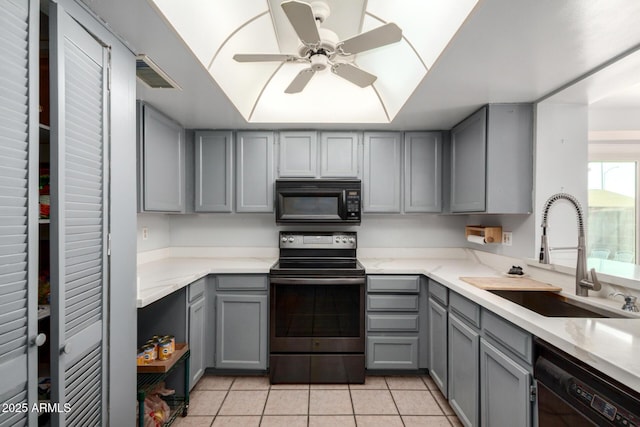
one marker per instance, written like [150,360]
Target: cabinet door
[381,181]
[162,147]
[18,210]
[438,345]
[504,389]
[241,331]
[254,169]
[79,221]
[468,164]
[464,371]
[298,154]
[196,340]
[422,172]
[392,352]
[339,155]
[214,175]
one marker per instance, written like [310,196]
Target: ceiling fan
[321,47]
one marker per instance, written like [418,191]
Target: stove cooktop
[318,267]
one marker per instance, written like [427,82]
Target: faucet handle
[596,283]
[629,301]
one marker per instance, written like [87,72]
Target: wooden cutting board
[509,284]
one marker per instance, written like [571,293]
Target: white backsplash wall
[259,230]
[376,231]
[158,226]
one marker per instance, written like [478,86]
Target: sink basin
[551,304]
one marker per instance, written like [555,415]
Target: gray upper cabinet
[161,154]
[254,171]
[382,166]
[213,171]
[492,160]
[468,167]
[422,171]
[298,154]
[333,155]
[339,155]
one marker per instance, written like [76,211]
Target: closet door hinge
[533,393]
[109,244]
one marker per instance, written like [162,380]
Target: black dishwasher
[572,393]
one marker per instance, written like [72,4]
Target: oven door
[317,315]
[315,205]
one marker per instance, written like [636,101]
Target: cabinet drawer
[438,292]
[508,335]
[392,302]
[398,284]
[252,282]
[196,289]
[392,322]
[392,352]
[466,309]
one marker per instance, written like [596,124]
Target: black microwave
[318,201]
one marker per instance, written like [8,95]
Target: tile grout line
[394,401]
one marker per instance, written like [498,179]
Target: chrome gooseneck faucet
[582,276]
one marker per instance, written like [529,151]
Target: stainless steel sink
[551,304]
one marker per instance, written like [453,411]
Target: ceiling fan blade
[381,36]
[301,17]
[353,74]
[263,57]
[300,81]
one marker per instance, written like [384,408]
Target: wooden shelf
[490,234]
[163,366]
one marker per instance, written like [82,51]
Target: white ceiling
[507,51]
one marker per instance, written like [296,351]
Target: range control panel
[331,240]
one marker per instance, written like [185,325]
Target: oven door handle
[317,280]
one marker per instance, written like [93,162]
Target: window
[612,229]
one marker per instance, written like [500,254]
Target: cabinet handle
[38,340]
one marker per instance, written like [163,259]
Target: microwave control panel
[353,204]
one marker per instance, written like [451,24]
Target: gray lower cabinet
[213,171]
[197,339]
[254,171]
[396,330]
[382,172]
[161,162]
[438,344]
[241,331]
[504,389]
[422,172]
[464,371]
[492,147]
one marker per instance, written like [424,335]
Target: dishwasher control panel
[617,415]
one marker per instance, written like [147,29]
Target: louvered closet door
[78,222]
[18,210]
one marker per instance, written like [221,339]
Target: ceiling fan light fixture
[319,62]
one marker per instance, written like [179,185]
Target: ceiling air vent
[152,75]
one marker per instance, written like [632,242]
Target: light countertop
[609,345]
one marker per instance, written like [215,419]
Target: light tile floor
[381,401]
